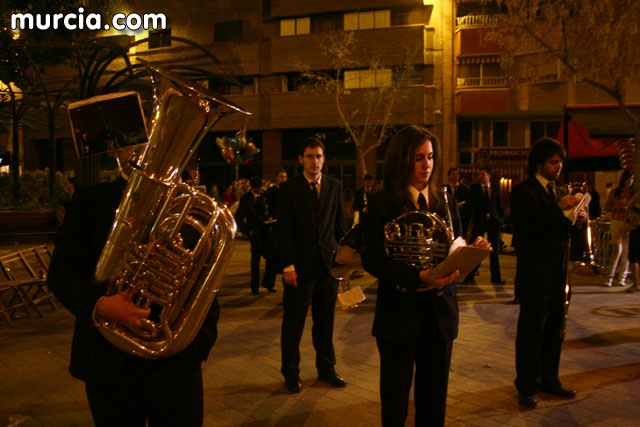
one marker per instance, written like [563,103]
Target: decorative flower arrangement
[237,150]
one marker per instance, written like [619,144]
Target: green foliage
[34,191]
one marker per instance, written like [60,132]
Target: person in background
[310,225]
[214,193]
[251,213]
[362,196]
[616,210]
[461,193]
[537,206]
[228,196]
[487,214]
[272,194]
[633,220]
[594,205]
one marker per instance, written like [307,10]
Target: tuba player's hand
[121,309]
[433,283]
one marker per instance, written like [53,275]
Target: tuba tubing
[169,242]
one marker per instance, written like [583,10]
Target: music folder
[463,258]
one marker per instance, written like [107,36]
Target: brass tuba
[169,243]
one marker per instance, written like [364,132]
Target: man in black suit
[487,214]
[362,196]
[310,224]
[250,217]
[543,236]
[122,389]
[272,194]
[461,194]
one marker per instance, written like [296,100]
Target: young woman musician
[416,317]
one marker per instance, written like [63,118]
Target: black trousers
[257,251]
[493,234]
[161,398]
[538,341]
[321,294]
[431,355]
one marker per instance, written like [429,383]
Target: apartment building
[457,87]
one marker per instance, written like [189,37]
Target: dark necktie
[486,191]
[552,192]
[422,203]
[314,190]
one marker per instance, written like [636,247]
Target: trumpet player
[541,267]
[122,389]
[416,315]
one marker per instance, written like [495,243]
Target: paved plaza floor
[243,385]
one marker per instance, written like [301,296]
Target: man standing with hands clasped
[537,206]
[310,224]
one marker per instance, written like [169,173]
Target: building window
[480,72]
[227,31]
[293,27]
[248,86]
[160,38]
[367,20]
[360,79]
[499,134]
[540,129]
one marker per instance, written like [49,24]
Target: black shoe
[333,378]
[559,391]
[528,400]
[271,290]
[293,384]
[499,282]
[254,292]
[471,281]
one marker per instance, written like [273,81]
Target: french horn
[169,243]
[419,239]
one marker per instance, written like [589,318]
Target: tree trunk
[361,162]
[53,161]
[15,164]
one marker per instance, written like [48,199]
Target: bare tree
[364,97]
[596,41]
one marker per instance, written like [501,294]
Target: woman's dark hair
[623,179]
[400,160]
[542,151]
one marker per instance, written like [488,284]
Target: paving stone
[243,385]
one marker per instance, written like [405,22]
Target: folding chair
[26,271]
[12,296]
[37,261]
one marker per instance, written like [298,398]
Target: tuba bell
[169,243]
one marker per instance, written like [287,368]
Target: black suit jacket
[542,238]
[78,246]
[359,202]
[481,206]
[308,231]
[400,309]
[251,212]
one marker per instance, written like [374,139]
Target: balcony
[481,82]
[471,21]
[302,109]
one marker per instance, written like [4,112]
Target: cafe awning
[590,133]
